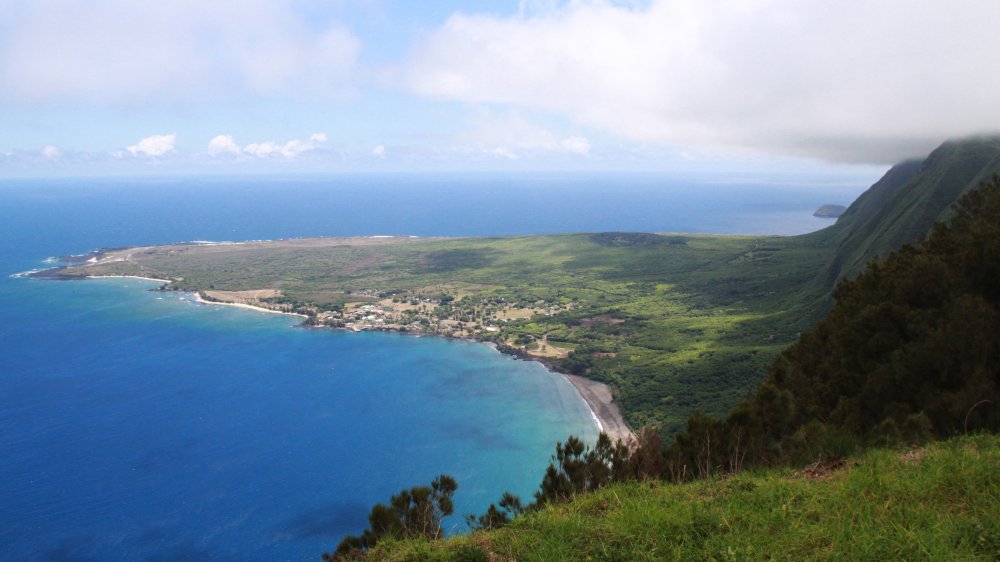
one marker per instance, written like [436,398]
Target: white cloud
[155,145]
[51,152]
[503,152]
[509,135]
[223,144]
[261,150]
[873,81]
[379,151]
[266,149]
[123,51]
[577,145]
[293,148]
[269,149]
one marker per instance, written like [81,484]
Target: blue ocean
[137,425]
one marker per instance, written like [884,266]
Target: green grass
[940,503]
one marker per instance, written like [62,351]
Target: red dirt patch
[601,320]
[821,470]
[913,456]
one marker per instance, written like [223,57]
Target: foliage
[918,332]
[577,468]
[495,517]
[911,350]
[412,513]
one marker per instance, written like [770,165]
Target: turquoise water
[138,425]
[153,424]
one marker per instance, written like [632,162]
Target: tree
[910,350]
[576,468]
[412,513]
[496,517]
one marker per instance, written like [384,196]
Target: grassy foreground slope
[937,503]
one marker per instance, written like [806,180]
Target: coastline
[197,295]
[198,298]
[598,397]
[164,281]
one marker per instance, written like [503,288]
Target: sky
[686,86]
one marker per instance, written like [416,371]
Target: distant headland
[830,211]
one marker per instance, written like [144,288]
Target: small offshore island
[830,211]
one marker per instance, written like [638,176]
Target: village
[468,317]
[461,315]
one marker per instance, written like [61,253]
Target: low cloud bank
[857,82]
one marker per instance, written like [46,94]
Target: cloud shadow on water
[332,521]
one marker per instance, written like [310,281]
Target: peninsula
[654,317]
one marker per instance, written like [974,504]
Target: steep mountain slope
[910,349]
[901,207]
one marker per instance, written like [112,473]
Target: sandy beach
[198,299]
[128,277]
[197,296]
[598,397]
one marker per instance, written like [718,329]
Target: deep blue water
[136,425]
